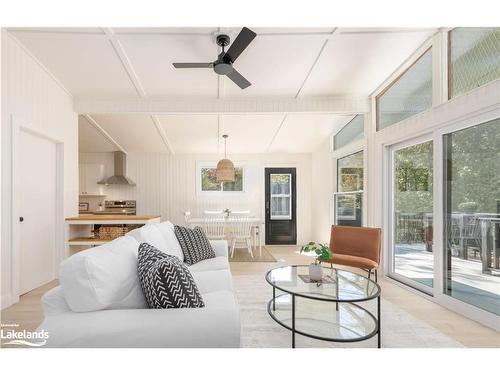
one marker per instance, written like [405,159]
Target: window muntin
[474,58]
[209,182]
[353,131]
[409,94]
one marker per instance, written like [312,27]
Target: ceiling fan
[224,63]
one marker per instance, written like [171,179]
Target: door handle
[21,219]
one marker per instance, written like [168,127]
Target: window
[208,181]
[281,196]
[348,199]
[472,215]
[474,58]
[408,95]
[353,131]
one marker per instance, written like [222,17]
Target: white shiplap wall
[33,97]
[166,184]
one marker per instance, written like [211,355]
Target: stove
[118,208]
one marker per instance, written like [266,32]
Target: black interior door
[281,212]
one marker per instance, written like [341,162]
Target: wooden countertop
[118,218]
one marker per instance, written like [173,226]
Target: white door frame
[19,126]
[389,218]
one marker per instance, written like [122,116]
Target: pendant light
[225,167]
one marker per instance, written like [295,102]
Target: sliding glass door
[411,249]
[472,215]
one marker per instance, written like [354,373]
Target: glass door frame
[289,195]
[437,294]
[389,268]
[471,311]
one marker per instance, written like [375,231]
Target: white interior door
[37,209]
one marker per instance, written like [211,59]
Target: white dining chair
[214,228]
[241,230]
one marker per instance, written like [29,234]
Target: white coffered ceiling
[136,63]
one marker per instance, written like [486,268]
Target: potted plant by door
[323,253]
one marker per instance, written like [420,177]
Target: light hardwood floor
[28,312]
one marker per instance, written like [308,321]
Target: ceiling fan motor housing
[223,66]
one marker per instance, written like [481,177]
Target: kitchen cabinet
[90,175]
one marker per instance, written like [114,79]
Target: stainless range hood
[120,174]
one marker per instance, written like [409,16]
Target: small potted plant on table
[323,253]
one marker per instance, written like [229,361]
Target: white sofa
[99,302]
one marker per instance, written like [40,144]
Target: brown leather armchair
[356,247]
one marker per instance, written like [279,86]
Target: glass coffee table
[330,310]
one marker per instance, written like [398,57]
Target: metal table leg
[274,298]
[293,321]
[378,323]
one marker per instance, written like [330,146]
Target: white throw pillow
[104,277]
[150,234]
[174,248]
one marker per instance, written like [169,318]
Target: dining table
[257,227]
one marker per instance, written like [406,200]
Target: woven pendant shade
[225,171]
[225,167]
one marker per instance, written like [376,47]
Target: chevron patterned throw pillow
[194,244]
[165,280]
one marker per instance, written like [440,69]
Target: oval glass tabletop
[337,285]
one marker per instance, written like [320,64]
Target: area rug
[259,330]
[242,255]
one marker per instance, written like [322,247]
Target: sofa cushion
[173,247]
[194,244]
[213,281]
[151,234]
[165,280]
[212,264]
[104,277]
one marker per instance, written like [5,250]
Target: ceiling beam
[163,134]
[127,65]
[105,134]
[320,105]
[299,91]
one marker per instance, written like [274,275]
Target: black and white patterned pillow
[165,280]
[194,244]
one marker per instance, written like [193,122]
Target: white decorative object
[315,272]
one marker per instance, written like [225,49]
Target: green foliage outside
[209,181]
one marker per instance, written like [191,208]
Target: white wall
[166,184]
[36,100]
[322,192]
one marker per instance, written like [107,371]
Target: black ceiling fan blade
[237,78]
[193,65]
[241,42]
